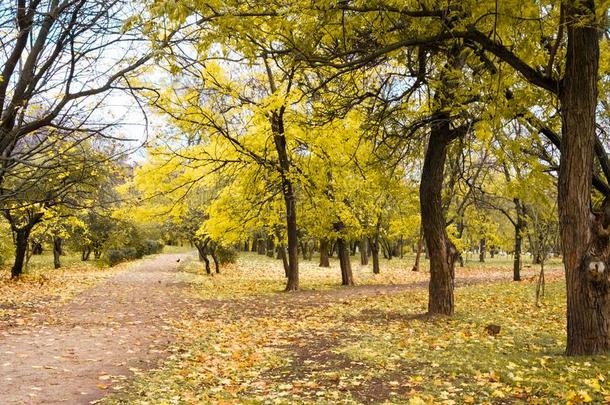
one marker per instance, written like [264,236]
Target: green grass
[44,262]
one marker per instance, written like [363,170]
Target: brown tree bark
[270,246]
[324,248]
[21,246]
[440,249]
[420,245]
[519,225]
[282,253]
[21,236]
[262,247]
[374,243]
[279,138]
[584,242]
[482,249]
[215,259]
[86,253]
[343,251]
[364,255]
[56,251]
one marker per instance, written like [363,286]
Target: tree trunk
[585,244]
[303,247]
[440,249]
[324,247]
[215,259]
[519,228]
[374,243]
[420,245]
[364,256]
[277,128]
[247,246]
[203,255]
[482,249]
[282,252]
[57,251]
[21,246]
[36,248]
[347,277]
[86,253]
[262,248]
[270,246]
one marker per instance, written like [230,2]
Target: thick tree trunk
[324,247]
[364,256]
[440,249]
[347,277]
[585,244]
[374,243]
[57,251]
[482,250]
[246,246]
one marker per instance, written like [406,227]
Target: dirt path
[119,325]
[78,352]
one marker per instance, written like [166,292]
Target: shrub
[115,256]
[118,255]
[225,255]
[153,247]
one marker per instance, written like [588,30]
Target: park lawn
[42,286]
[255,274]
[331,346]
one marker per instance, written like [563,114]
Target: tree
[60,60]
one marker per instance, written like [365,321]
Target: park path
[111,329]
[76,353]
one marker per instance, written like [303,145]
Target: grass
[256,346]
[255,274]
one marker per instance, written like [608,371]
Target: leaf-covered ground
[43,287]
[236,338]
[369,344]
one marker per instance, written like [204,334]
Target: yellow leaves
[580,397]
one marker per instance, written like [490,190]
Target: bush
[153,247]
[115,256]
[118,255]
[225,255]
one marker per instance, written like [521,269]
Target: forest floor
[159,331]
